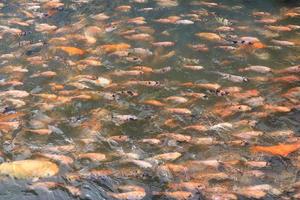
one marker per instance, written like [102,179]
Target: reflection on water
[149,99]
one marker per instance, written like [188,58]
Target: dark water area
[149,99]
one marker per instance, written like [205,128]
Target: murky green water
[182,119]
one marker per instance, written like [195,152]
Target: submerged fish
[26,169]
[233,78]
[257,68]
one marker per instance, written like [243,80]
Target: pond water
[149,99]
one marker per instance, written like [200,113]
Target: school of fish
[149,99]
